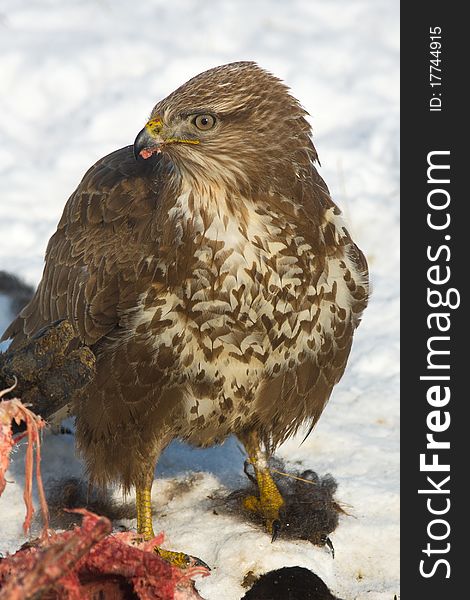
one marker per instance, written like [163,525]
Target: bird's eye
[204,122]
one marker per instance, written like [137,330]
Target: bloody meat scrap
[15,410]
[90,562]
[86,562]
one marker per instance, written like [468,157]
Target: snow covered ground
[78,79]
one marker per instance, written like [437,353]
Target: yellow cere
[154,125]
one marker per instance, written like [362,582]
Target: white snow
[78,80]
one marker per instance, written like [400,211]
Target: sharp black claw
[276,530]
[326,540]
[251,477]
[197,562]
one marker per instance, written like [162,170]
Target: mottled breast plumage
[211,274]
[267,307]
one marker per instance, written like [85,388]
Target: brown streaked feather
[216,283]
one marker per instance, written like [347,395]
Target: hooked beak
[149,141]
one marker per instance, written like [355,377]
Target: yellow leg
[145,529]
[270,501]
[144,512]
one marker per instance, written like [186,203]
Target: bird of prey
[212,275]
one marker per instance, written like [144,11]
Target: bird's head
[235,124]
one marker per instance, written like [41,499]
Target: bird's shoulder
[95,257]
[115,186]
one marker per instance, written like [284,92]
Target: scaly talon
[326,540]
[251,477]
[270,500]
[276,529]
[180,559]
[252,504]
[144,513]
[145,528]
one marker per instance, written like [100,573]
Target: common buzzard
[212,275]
